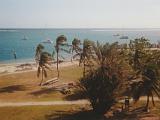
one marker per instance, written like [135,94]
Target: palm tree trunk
[42,77]
[80,59]
[147,104]
[57,62]
[72,55]
[153,100]
[84,69]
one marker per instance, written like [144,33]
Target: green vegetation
[75,48]
[44,61]
[39,50]
[145,63]
[111,72]
[103,82]
[59,41]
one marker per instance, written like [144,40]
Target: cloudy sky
[80,13]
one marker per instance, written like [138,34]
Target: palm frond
[67,51]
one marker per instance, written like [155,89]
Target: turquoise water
[12,39]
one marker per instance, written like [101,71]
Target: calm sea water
[12,39]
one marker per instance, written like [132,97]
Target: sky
[79,13]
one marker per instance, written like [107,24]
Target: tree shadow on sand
[70,115]
[43,91]
[135,114]
[13,88]
[76,95]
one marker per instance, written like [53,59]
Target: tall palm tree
[76,47]
[86,55]
[44,62]
[59,41]
[39,50]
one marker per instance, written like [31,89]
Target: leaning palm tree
[39,50]
[59,41]
[145,63]
[44,62]
[147,85]
[76,47]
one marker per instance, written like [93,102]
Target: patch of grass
[137,111]
[71,73]
[25,86]
[40,112]
[153,109]
[65,112]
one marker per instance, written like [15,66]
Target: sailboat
[24,38]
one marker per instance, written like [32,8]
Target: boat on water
[124,37]
[116,35]
[48,41]
[24,38]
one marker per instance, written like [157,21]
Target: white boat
[48,41]
[116,35]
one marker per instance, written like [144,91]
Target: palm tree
[145,63]
[148,84]
[103,81]
[86,54]
[44,62]
[59,41]
[39,50]
[75,47]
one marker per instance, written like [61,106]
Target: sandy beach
[10,68]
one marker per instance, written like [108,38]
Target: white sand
[75,102]
[17,68]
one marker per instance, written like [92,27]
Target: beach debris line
[51,81]
[64,88]
[26,66]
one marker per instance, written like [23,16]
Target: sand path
[45,103]
[13,104]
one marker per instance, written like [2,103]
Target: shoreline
[20,67]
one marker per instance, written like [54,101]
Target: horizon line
[4,28]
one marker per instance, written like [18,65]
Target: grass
[25,86]
[35,112]
[69,112]
[137,112]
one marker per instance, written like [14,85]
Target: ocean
[24,41]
